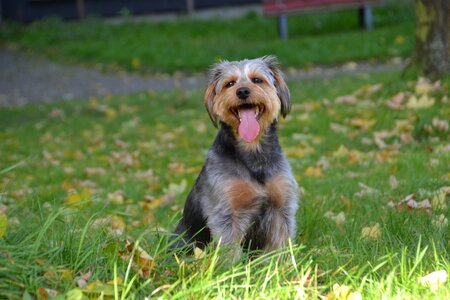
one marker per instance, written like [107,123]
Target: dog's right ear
[210,93]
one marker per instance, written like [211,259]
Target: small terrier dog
[246,194]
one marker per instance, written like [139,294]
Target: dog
[246,194]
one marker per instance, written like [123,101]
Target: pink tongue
[249,126]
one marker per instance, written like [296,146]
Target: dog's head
[248,95]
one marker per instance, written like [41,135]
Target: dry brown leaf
[141,260]
[409,203]
[396,101]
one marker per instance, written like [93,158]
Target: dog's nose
[243,93]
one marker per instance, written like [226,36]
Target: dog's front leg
[239,205]
[278,222]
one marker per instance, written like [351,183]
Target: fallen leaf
[343,292]
[313,172]
[399,40]
[141,260]
[396,101]
[3,224]
[348,99]
[98,287]
[434,280]
[371,233]
[198,253]
[135,63]
[409,203]
[439,201]
[424,101]
[117,197]
[172,191]
[440,125]
[362,123]
[74,294]
[83,279]
[366,191]
[75,196]
[339,128]
[440,221]
[94,172]
[423,86]
[342,151]
[393,182]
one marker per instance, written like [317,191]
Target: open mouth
[248,116]
[258,110]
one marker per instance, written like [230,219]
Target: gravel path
[25,79]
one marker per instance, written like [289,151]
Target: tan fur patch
[277,188]
[242,194]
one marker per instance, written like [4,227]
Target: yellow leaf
[119,280]
[313,172]
[135,63]
[75,196]
[3,224]
[439,201]
[363,124]
[116,197]
[74,294]
[98,287]
[434,279]
[423,86]
[423,102]
[371,233]
[399,39]
[198,253]
[343,292]
[342,151]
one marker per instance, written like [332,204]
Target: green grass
[191,45]
[56,204]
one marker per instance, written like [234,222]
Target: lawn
[82,183]
[191,45]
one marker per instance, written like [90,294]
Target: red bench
[283,8]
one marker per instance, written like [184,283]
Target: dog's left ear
[280,84]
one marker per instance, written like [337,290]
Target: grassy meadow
[90,190]
[191,45]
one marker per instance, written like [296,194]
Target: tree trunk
[433,36]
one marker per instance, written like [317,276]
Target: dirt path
[25,79]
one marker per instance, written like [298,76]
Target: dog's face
[248,95]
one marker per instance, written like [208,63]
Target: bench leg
[283,27]
[365,17]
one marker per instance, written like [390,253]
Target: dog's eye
[257,80]
[230,83]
